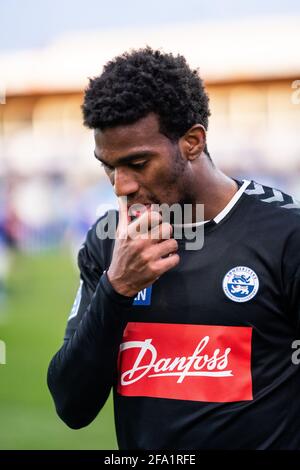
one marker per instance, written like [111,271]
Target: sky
[36,23]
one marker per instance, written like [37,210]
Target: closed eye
[134,165]
[137,165]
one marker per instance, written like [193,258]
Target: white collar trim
[232,202]
[224,212]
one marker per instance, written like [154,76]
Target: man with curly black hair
[196,345]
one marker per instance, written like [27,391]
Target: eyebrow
[128,158]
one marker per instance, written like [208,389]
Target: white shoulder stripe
[77,301]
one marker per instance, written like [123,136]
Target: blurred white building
[251,69]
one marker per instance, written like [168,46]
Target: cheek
[171,176]
[165,174]
[160,180]
[165,184]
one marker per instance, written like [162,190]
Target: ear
[192,144]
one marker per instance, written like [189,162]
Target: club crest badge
[240,284]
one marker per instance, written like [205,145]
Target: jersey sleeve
[90,273]
[82,372]
[295,299]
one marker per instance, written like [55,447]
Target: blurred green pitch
[41,293]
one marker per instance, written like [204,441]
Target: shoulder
[277,221]
[273,201]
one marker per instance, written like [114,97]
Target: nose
[124,183]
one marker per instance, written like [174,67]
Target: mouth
[135,210]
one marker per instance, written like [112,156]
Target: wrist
[120,287]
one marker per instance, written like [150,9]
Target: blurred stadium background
[52,189]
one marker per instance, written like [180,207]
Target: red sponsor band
[186,362]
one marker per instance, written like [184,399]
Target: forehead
[141,135]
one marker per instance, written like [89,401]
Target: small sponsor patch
[143,297]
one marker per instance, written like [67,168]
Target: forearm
[82,372]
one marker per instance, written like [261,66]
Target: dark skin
[148,168]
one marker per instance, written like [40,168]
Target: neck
[212,188]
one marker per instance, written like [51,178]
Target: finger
[163,249]
[165,264]
[123,213]
[162,231]
[143,223]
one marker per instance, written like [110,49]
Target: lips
[135,210]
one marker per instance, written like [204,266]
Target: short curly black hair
[142,81]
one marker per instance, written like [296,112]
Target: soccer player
[196,344]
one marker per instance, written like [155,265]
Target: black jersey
[202,359]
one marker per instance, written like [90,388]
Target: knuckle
[138,244]
[145,256]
